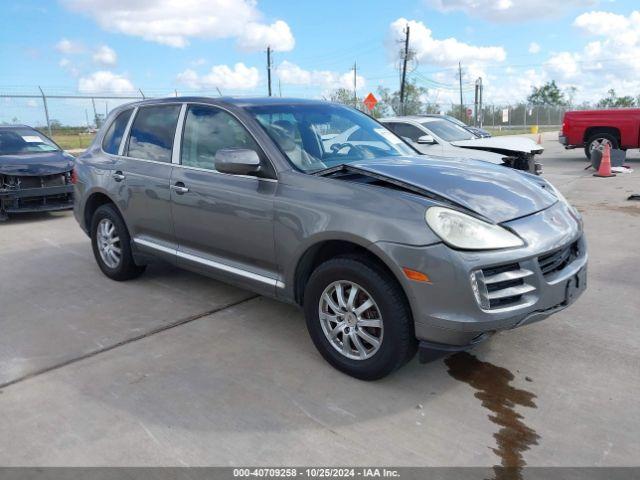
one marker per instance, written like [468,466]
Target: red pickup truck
[593,129]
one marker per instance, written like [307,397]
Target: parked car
[477,131]
[438,136]
[592,129]
[385,250]
[35,173]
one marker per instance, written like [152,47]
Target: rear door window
[152,133]
[113,137]
[407,131]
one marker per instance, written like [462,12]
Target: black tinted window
[152,133]
[207,130]
[407,131]
[112,138]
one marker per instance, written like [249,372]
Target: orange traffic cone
[605,164]
[539,139]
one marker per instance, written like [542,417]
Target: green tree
[413,100]
[614,101]
[344,96]
[547,94]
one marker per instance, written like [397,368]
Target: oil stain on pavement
[500,398]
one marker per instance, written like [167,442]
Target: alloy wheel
[351,320]
[108,242]
[599,144]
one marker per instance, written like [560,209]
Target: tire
[600,138]
[397,343]
[125,268]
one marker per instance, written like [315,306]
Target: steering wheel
[336,147]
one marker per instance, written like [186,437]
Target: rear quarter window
[113,137]
[152,133]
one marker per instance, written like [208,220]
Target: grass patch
[517,131]
[68,141]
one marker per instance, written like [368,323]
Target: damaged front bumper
[22,194]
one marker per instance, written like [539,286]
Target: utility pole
[475,104]
[269,68]
[461,104]
[404,68]
[355,86]
[481,116]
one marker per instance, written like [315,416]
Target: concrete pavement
[139,373]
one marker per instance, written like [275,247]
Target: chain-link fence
[71,120]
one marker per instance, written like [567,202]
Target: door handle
[179,188]
[118,176]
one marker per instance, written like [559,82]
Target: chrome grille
[503,286]
[555,261]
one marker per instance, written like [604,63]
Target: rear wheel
[598,141]
[358,318]
[112,245]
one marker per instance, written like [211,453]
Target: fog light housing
[479,288]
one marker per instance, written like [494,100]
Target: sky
[209,46]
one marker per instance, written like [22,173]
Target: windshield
[15,141]
[448,131]
[315,137]
[455,120]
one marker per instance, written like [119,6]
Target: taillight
[74,176]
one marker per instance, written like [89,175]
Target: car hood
[504,145]
[36,164]
[497,193]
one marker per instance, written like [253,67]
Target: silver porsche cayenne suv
[386,251]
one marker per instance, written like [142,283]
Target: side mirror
[237,161]
[426,139]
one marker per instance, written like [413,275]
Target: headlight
[464,231]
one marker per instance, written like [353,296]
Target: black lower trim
[430,351]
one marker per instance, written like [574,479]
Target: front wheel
[598,141]
[358,318]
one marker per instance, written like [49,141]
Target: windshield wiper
[326,171]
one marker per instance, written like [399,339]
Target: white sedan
[441,137]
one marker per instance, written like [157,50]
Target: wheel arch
[94,201]
[591,131]
[325,249]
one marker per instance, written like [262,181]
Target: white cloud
[104,81]
[291,74]
[257,36]
[105,56]
[69,66]
[610,61]
[509,10]
[564,65]
[240,77]
[534,48]
[445,52]
[174,22]
[69,47]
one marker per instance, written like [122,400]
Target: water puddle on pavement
[497,395]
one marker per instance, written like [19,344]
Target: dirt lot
[176,369]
